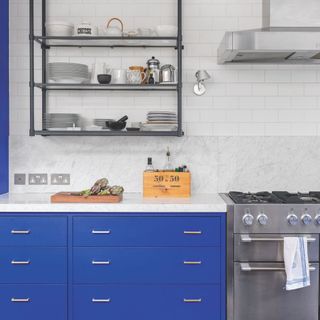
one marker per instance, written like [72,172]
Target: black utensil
[117,125]
[123,119]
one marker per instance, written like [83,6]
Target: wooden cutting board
[75,197]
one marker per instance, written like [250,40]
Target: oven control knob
[306,219]
[317,219]
[262,219]
[248,219]
[292,219]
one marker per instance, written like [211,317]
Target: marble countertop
[131,203]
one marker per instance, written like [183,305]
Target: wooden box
[164,184]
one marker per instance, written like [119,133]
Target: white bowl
[166,31]
[60,29]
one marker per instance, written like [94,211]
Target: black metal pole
[31,84]
[180,48]
[44,64]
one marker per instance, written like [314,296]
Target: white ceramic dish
[60,29]
[166,31]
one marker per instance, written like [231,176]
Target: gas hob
[312,197]
[275,212]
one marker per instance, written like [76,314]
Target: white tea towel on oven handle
[296,262]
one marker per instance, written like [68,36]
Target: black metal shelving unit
[47,42]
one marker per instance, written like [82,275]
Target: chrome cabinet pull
[101,300]
[247,238]
[193,232]
[192,300]
[101,263]
[20,300]
[21,263]
[20,231]
[247,268]
[101,231]
[192,262]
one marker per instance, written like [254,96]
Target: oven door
[259,292]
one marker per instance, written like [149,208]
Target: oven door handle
[246,267]
[247,238]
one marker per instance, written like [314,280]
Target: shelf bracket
[45,46]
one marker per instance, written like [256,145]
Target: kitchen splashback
[246,100]
[217,164]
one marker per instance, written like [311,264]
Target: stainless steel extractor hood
[290,34]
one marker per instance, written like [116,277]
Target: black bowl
[104,78]
[115,125]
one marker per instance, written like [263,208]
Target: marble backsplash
[218,164]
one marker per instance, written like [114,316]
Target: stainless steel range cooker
[257,224]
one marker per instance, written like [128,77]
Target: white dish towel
[296,262]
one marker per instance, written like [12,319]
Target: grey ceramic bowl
[104,78]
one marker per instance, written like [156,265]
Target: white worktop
[131,203]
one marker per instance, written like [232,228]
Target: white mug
[135,77]
[119,76]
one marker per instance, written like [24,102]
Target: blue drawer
[146,265]
[33,265]
[33,302]
[146,302]
[147,231]
[33,231]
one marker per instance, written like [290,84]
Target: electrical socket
[38,179]
[60,179]
[20,179]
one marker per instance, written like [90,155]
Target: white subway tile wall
[242,100]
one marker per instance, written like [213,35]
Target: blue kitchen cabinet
[4,97]
[117,266]
[33,302]
[146,265]
[147,302]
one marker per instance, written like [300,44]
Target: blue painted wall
[4,97]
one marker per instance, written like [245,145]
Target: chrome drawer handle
[21,263]
[192,262]
[193,232]
[192,300]
[20,231]
[101,300]
[101,263]
[247,238]
[101,231]
[247,268]
[20,300]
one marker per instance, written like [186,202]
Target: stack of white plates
[61,120]
[162,117]
[71,73]
[160,121]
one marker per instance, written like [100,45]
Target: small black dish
[133,129]
[104,78]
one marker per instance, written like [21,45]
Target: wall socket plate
[20,179]
[60,179]
[38,179]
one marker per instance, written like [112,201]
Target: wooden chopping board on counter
[75,197]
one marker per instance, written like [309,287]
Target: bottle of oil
[168,165]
